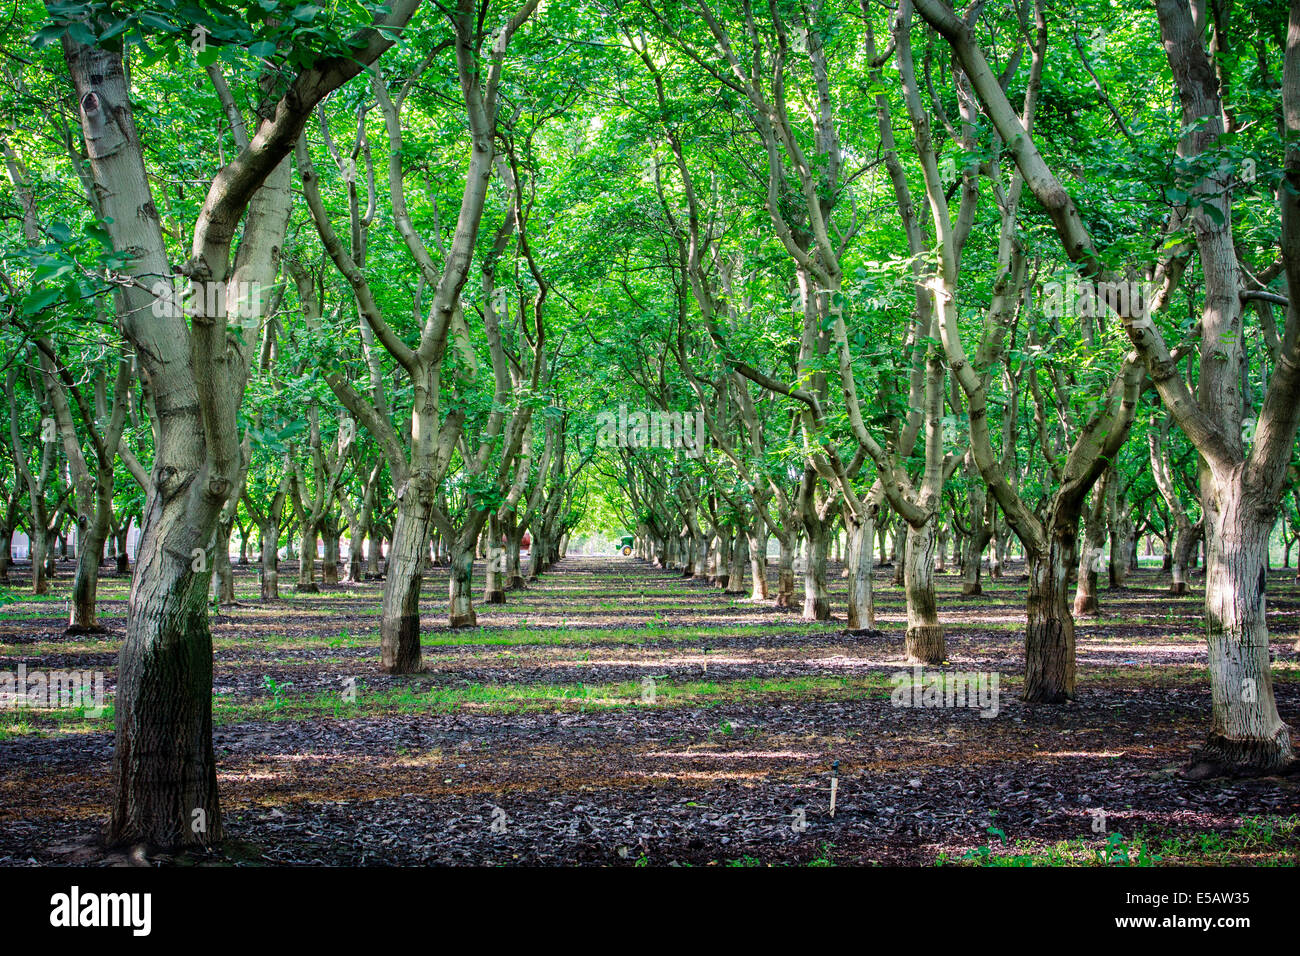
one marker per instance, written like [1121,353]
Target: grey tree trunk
[785,573]
[925,641]
[399,624]
[758,536]
[224,572]
[862,608]
[1246,731]
[736,569]
[816,602]
[270,569]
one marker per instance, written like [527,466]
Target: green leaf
[40,299]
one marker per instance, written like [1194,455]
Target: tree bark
[785,573]
[758,536]
[1246,732]
[460,610]
[399,625]
[1049,640]
[861,535]
[270,564]
[816,602]
[925,641]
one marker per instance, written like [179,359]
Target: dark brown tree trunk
[6,552]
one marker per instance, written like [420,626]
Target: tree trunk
[702,558]
[399,625]
[723,574]
[356,560]
[1094,540]
[1185,544]
[736,569]
[224,572]
[494,591]
[862,608]
[925,641]
[307,560]
[1049,640]
[329,570]
[90,547]
[270,571]
[1245,729]
[6,552]
[536,556]
[460,610]
[164,769]
[374,551]
[38,542]
[1121,544]
[785,574]
[975,544]
[514,572]
[900,553]
[123,559]
[758,561]
[816,602]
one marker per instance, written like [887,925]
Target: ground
[536,738]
